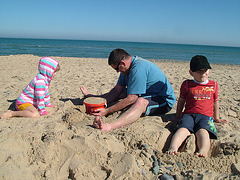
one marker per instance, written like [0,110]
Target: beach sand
[66,146]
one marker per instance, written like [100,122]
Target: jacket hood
[47,67]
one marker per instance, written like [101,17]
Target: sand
[66,146]
[94,100]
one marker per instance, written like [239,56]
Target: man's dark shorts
[194,122]
[156,105]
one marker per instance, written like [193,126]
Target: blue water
[101,49]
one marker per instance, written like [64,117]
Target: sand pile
[66,146]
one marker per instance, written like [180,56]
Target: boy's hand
[173,119]
[221,121]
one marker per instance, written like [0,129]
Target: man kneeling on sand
[141,85]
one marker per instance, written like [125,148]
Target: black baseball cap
[199,62]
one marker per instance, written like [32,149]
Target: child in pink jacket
[35,97]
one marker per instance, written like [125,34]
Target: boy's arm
[216,113]
[180,105]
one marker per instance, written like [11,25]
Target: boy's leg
[30,111]
[177,140]
[203,142]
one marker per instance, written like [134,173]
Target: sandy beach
[66,146]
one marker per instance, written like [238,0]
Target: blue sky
[207,22]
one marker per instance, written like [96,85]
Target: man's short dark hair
[116,56]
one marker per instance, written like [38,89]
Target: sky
[204,22]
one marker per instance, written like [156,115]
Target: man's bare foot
[201,154]
[97,123]
[172,150]
[7,114]
[84,91]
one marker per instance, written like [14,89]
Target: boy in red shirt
[200,97]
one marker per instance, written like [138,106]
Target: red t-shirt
[199,97]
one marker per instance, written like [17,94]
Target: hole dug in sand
[227,148]
[216,148]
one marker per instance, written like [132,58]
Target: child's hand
[221,121]
[52,106]
[43,113]
[46,113]
[49,113]
[173,119]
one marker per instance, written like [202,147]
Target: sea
[102,49]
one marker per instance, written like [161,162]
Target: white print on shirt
[203,94]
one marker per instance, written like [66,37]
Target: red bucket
[93,103]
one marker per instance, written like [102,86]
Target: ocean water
[102,49]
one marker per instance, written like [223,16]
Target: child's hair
[58,68]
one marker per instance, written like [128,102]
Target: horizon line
[122,41]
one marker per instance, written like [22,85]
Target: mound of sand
[66,146]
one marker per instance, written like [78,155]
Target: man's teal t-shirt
[147,79]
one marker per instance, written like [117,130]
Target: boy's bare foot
[172,150]
[84,91]
[201,154]
[7,114]
[97,123]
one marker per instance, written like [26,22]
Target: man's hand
[100,112]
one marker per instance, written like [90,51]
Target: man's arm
[130,99]
[110,96]
[114,94]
